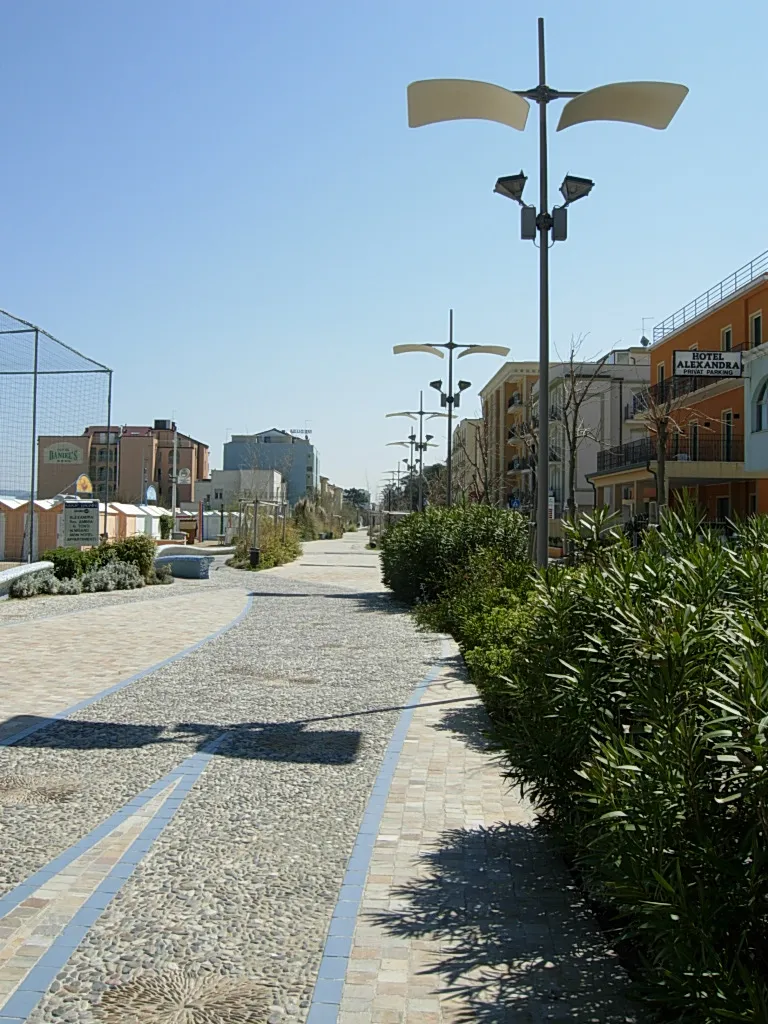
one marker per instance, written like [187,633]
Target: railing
[680,448]
[728,286]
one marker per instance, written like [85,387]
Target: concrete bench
[187,567]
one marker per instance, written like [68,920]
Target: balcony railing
[680,448]
[728,286]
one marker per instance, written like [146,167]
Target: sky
[223,201]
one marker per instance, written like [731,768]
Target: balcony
[680,448]
[514,402]
[518,465]
[741,278]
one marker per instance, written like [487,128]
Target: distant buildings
[123,463]
[228,487]
[294,457]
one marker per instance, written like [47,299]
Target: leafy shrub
[162,574]
[421,552]
[114,576]
[71,562]
[28,585]
[635,713]
[139,551]
[273,550]
[70,586]
[166,527]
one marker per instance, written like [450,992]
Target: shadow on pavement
[469,723]
[367,601]
[511,942]
[259,741]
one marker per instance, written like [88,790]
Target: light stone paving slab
[47,666]
[468,913]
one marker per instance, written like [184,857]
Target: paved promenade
[294,820]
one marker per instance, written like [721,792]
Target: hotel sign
[62,453]
[707,364]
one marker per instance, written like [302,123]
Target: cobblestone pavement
[189,847]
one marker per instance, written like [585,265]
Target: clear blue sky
[223,201]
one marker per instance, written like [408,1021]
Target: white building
[227,487]
[603,417]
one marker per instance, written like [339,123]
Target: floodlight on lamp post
[448,399]
[422,445]
[652,104]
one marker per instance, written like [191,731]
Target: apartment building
[586,412]
[717,444]
[294,457]
[123,462]
[468,452]
[506,403]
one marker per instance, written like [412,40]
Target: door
[693,442]
[723,509]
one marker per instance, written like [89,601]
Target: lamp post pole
[652,104]
[422,446]
[449,460]
[543,224]
[450,399]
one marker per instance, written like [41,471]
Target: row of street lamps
[652,104]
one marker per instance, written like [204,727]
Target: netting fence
[47,390]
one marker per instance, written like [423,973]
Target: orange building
[123,462]
[704,452]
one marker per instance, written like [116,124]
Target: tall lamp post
[652,104]
[449,399]
[421,447]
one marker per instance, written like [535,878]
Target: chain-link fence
[49,395]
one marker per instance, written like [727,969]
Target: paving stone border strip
[23,733]
[9,576]
[326,998]
[39,979]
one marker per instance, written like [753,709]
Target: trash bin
[255,556]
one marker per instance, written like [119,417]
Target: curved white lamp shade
[457,99]
[402,444]
[438,416]
[652,104]
[491,350]
[431,349]
[410,415]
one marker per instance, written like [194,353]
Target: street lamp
[448,398]
[652,104]
[421,446]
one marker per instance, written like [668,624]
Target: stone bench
[187,567]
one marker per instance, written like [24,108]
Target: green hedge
[423,551]
[634,711]
[69,563]
[629,699]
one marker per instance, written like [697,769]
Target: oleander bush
[628,697]
[421,553]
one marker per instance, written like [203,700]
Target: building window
[726,339]
[761,407]
[660,373]
[753,504]
[218,495]
[755,330]
[723,509]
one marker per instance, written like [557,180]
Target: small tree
[581,381]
